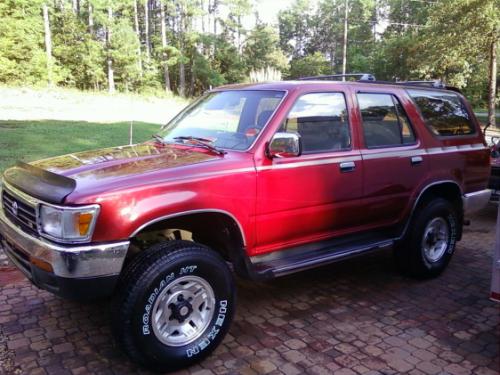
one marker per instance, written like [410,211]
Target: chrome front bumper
[475,201]
[89,261]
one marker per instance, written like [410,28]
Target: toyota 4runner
[257,180]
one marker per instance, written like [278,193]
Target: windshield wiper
[158,138]
[202,142]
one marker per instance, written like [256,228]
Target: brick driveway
[354,317]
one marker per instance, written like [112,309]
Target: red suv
[260,179]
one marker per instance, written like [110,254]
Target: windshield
[227,119]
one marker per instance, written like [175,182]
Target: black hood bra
[39,183]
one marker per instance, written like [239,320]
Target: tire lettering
[150,301]
[204,343]
[213,332]
[193,351]
[187,270]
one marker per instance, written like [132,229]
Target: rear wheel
[431,239]
[174,305]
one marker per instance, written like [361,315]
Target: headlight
[68,223]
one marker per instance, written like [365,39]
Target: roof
[290,85]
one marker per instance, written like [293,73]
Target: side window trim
[395,100]
[348,120]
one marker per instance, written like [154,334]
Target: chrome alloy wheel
[183,311]
[436,239]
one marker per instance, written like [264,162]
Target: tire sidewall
[178,356]
[443,209]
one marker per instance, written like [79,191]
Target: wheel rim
[436,239]
[183,311]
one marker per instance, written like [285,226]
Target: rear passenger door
[393,160]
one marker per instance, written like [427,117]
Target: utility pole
[344,57]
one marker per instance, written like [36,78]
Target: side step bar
[292,260]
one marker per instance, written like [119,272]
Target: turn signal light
[84,221]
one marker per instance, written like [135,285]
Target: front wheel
[174,305]
[431,240]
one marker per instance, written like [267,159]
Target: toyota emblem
[14,208]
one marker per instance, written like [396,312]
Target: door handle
[347,166]
[415,160]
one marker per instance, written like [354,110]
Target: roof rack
[370,78]
[438,84]
[332,77]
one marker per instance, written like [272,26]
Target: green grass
[33,140]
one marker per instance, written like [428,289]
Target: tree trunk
[91,18]
[182,73]
[138,33]
[48,42]
[192,81]
[492,84]
[166,75]
[240,45]
[182,79]
[76,7]
[344,56]
[215,5]
[111,78]
[146,29]
[202,7]
[209,15]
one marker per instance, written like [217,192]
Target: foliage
[207,43]
[22,57]
[310,65]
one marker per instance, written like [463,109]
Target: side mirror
[284,145]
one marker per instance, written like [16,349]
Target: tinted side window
[385,123]
[321,121]
[444,112]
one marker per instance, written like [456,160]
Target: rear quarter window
[444,112]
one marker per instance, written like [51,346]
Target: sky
[268,9]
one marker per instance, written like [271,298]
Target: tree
[22,54]
[295,25]
[262,49]
[310,65]
[461,35]
[75,50]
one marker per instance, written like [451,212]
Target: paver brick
[356,317]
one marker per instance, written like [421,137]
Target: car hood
[123,161]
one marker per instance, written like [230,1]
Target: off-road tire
[411,256]
[148,275]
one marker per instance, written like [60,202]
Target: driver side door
[316,195]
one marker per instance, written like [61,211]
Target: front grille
[19,212]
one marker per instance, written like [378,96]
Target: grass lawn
[33,140]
